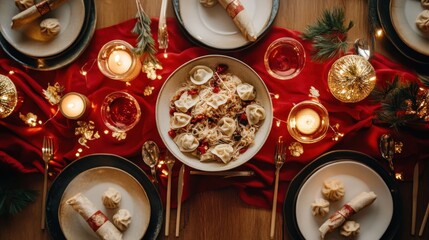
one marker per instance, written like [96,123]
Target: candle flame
[118,60]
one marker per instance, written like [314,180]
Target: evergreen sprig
[328,34]
[397,99]
[145,41]
[14,200]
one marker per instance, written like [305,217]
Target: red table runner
[20,145]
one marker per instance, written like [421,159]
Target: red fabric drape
[20,144]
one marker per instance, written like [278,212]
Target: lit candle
[119,61]
[73,105]
[307,121]
[116,60]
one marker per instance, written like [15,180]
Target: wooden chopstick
[415,195]
[425,218]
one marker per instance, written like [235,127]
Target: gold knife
[179,197]
[415,196]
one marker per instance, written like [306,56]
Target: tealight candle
[73,105]
[307,121]
[117,61]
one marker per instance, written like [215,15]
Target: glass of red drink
[120,111]
[284,58]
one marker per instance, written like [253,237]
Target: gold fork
[47,154]
[169,160]
[279,159]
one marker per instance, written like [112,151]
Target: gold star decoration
[53,93]
[86,131]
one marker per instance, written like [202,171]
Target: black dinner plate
[383,10]
[101,160]
[274,11]
[61,59]
[340,156]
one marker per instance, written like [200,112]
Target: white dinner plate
[28,39]
[357,178]
[359,173]
[214,27]
[93,183]
[404,14]
[175,81]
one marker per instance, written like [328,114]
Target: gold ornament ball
[351,78]
[8,96]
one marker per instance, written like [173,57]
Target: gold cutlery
[279,159]
[150,155]
[169,160]
[425,218]
[415,195]
[224,174]
[179,198]
[47,155]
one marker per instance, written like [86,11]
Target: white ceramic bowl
[173,83]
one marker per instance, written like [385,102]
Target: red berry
[172,133]
[216,89]
[193,92]
[221,68]
[243,150]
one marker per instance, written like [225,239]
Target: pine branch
[329,35]
[13,201]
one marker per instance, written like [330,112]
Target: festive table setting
[177,119]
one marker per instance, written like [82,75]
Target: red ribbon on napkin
[20,145]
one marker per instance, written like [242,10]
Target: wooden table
[221,214]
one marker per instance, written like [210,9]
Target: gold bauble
[351,78]
[8,96]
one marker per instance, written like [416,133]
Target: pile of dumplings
[422,20]
[49,27]
[333,190]
[111,199]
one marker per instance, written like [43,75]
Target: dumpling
[186,101]
[200,74]
[179,120]
[223,152]
[333,190]
[122,219]
[208,3]
[246,92]
[425,3]
[227,126]
[111,198]
[50,27]
[422,21]
[320,207]
[255,114]
[217,100]
[186,142]
[24,4]
[350,229]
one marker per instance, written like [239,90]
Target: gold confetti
[86,131]
[30,119]
[148,90]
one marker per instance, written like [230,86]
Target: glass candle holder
[308,122]
[117,61]
[73,105]
[120,111]
[284,58]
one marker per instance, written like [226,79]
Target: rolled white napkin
[240,17]
[98,222]
[359,202]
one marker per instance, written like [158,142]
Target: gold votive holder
[120,111]
[351,78]
[74,105]
[9,97]
[308,121]
[117,61]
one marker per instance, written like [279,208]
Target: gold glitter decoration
[53,93]
[119,135]
[30,119]
[314,93]
[296,149]
[86,130]
[8,96]
[148,90]
[351,78]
